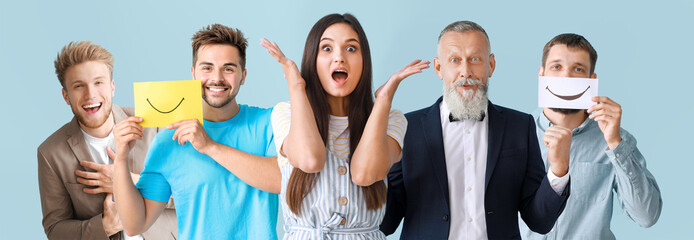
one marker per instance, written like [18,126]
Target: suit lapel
[431,124]
[496,132]
[77,143]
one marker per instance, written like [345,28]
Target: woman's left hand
[388,89]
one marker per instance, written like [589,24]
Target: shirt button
[342,170]
[467,131]
[342,201]
[552,230]
[629,173]
[445,217]
[617,154]
[469,189]
[343,221]
[469,219]
[468,158]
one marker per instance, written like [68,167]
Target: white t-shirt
[97,148]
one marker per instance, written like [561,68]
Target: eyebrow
[558,60]
[225,64]
[348,40]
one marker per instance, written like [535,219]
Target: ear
[113,88]
[243,78]
[65,97]
[492,64]
[541,71]
[594,76]
[437,67]
[192,72]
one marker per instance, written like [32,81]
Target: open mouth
[91,108]
[340,76]
[568,97]
[179,104]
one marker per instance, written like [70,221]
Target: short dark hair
[220,34]
[575,41]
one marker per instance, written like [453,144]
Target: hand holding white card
[564,92]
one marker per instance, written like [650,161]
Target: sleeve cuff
[558,184]
[624,149]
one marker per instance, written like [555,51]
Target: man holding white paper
[603,157]
[222,177]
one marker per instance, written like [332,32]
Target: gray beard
[469,106]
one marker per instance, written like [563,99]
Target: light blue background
[645,51]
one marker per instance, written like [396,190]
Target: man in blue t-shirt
[223,177]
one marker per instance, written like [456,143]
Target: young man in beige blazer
[73,168]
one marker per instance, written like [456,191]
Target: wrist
[612,144]
[207,149]
[107,226]
[559,171]
[297,86]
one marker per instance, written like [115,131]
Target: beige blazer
[70,213]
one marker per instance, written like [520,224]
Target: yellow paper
[163,103]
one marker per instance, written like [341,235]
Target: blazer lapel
[497,122]
[431,124]
[77,143]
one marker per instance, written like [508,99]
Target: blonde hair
[78,52]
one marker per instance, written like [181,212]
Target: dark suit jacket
[69,212]
[515,179]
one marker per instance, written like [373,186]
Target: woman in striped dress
[341,142]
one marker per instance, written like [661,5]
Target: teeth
[340,71]
[92,105]
[216,89]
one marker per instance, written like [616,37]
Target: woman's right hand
[291,71]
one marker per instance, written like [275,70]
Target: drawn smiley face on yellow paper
[163,103]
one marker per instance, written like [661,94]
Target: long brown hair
[360,104]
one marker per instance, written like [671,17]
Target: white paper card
[569,93]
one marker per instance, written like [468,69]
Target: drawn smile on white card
[568,97]
[179,104]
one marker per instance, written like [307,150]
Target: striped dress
[335,208]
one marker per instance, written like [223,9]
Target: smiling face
[219,69]
[339,62]
[461,56]
[89,91]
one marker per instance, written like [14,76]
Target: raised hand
[558,140]
[110,219]
[608,114]
[101,180]
[388,89]
[291,71]
[125,133]
[191,131]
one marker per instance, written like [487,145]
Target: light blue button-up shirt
[596,173]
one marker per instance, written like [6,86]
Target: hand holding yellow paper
[163,103]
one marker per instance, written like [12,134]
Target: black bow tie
[453,119]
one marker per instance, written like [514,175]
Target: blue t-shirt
[212,203]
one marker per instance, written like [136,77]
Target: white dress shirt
[466,165]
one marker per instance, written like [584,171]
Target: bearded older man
[470,166]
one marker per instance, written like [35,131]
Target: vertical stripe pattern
[334,198]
